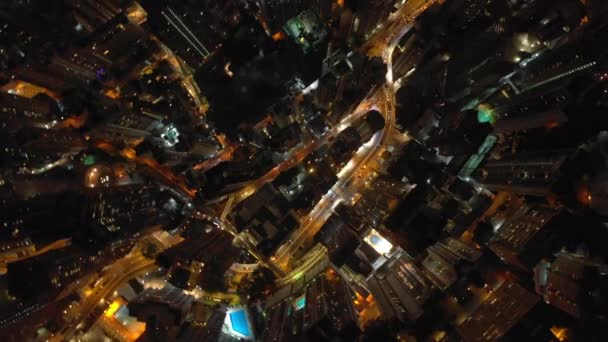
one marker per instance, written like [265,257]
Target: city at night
[304,170]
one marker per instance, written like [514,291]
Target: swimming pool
[240,323]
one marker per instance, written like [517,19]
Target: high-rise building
[462,141]
[40,279]
[528,173]
[584,182]
[193,30]
[266,217]
[277,12]
[34,221]
[163,310]
[104,51]
[24,323]
[306,30]
[555,68]
[119,211]
[543,119]
[400,289]
[129,127]
[453,250]
[54,141]
[439,271]
[208,330]
[339,240]
[95,58]
[201,260]
[32,31]
[30,108]
[324,309]
[380,199]
[542,106]
[498,313]
[369,16]
[92,14]
[560,282]
[515,240]
[442,258]
[597,9]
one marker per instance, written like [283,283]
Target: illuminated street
[290,170]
